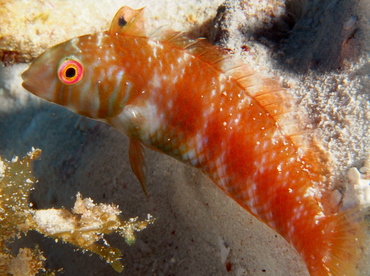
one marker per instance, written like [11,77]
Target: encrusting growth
[83,227]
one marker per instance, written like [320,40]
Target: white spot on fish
[74,43]
[100,38]
[156,81]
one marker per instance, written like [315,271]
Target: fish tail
[343,236]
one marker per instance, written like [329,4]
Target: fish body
[187,99]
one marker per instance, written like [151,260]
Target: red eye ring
[70,70]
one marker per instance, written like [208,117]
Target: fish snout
[26,82]
[39,82]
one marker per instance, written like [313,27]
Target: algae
[83,227]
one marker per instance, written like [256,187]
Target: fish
[191,100]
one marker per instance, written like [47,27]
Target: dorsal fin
[267,92]
[128,21]
[275,100]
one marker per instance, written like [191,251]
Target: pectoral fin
[137,155]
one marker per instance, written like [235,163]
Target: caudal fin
[342,243]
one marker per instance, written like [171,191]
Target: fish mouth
[25,83]
[24,78]
[27,87]
[32,83]
[25,74]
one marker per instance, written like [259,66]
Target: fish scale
[189,100]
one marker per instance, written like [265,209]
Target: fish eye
[70,70]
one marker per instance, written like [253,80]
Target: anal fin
[137,154]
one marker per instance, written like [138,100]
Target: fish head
[82,74]
[41,78]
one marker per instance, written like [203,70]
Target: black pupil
[70,72]
[121,21]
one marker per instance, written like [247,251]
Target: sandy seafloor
[323,61]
